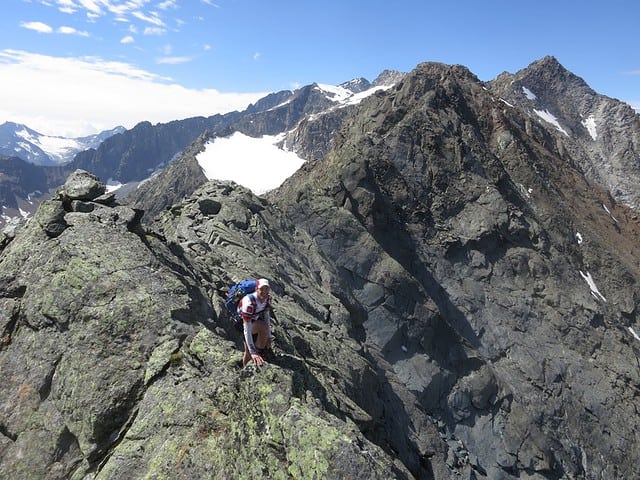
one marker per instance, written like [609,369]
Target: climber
[256,321]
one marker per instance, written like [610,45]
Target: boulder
[82,185]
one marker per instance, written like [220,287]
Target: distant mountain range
[21,141]
[124,158]
[307,120]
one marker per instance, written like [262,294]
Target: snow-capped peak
[58,149]
[343,96]
[21,141]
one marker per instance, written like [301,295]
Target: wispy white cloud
[35,90]
[167,4]
[72,31]
[152,19]
[67,6]
[122,10]
[168,58]
[37,27]
[154,31]
[127,39]
[92,6]
[44,28]
[173,60]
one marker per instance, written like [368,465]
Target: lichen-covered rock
[312,322]
[50,215]
[83,312]
[116,364]
[82,185]
[223,423]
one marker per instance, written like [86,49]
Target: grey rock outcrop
[118,361]
[179,180]
[82,185]
[83,306]
[313,323]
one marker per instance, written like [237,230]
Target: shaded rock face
[20,180]
[135,153]
[230,234]
[179,180]
[498,283]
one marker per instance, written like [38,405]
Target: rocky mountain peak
[545,80]
[39,149]
[356,85]
[436,190]
[590,125]
[388,77]
[550,69]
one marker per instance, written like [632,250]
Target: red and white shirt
[252,309]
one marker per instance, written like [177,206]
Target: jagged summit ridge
[147,148]
[590,125]
[112,367]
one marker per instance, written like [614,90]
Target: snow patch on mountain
[113,185]
[255,163]
[345,97]
[529,94]
[21,141]
[550,118]
[590,125]
[592,285]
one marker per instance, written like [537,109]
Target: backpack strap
[254,302]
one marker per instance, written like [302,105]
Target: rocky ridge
[307,120]
[121,363]
[135,155]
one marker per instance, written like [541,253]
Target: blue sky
[72,67]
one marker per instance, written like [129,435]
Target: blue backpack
[235,294]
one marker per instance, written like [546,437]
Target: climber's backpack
[235,294]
